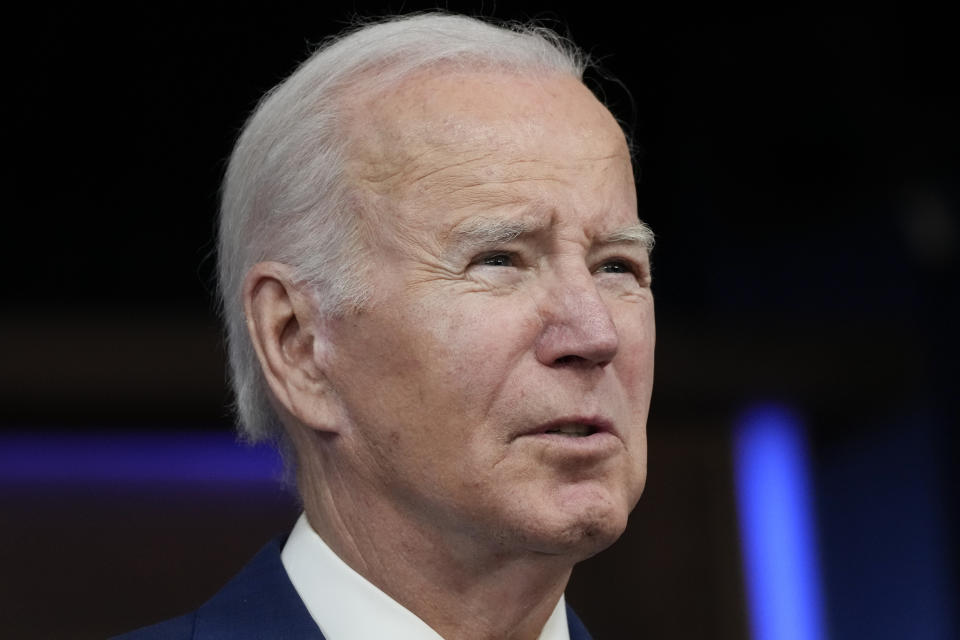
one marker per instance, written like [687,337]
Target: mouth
[573,430]
[575,427]
[574,438]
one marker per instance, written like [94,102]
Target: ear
[287,334]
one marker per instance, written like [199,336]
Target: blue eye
[497,260]
[615,266]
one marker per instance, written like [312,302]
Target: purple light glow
[123,458]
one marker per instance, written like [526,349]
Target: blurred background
[800,167]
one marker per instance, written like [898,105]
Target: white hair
[284,195]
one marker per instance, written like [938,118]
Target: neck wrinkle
[461,596]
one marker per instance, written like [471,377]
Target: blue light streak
[777,526]
[123,458]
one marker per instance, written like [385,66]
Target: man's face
[496,387]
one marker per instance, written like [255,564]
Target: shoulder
[259,602]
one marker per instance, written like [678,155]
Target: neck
[464,589]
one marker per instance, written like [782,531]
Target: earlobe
[286,333]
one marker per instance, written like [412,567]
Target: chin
[584,525]
[590,538]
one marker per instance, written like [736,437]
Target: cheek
[635,374]
[478,341]
[466,378]
[449,395]
[637,330]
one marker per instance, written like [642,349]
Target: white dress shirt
[346,606]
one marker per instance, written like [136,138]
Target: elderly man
[437,293]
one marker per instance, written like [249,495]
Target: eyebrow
[491,231]
[479,232]
[639,234]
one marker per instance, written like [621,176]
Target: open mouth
[573,430]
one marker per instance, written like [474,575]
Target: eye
[497,260]
[616,266]
[639,270]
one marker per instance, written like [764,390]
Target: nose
[578,328]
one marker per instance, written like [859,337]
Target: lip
[602,429]
[602,443]
[599,425]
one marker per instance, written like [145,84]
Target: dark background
[799,165]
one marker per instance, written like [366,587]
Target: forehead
[468,141]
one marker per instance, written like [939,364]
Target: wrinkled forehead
[486,124]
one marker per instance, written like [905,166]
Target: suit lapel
[575,626]
[260,602]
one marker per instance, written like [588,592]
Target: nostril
[578,361]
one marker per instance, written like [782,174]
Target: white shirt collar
[346,606]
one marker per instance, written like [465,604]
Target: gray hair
[284,195]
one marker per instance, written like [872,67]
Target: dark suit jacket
[261,603]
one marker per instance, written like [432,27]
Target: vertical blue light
[777,526]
